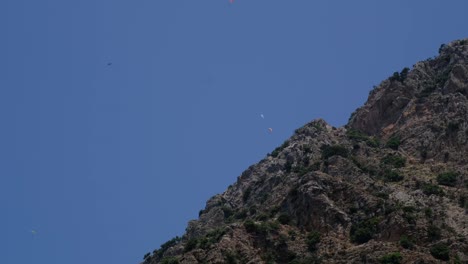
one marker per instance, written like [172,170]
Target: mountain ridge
[391,186]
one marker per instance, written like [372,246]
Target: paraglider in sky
[33,232]
[270,130]
[261,115]
[231,1]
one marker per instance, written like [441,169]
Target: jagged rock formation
[389,187]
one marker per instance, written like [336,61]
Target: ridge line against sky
[121,118]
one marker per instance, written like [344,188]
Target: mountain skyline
[106,162]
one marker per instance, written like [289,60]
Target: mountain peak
[390,187]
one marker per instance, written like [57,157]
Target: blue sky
[107,162]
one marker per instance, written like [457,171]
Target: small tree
[393,143]
[447,178]
[440,251]
[392,258]
[313,238]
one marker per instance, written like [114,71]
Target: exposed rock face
[389,187]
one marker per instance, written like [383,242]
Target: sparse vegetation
[442,46]
[284,219]
[276,152]
[393,143]
[440,251]
[357,135]
[463,201]
[434,233]
[191,244]
[313,238]
[408,214]
[447,178]
[228,212]
[165,246]
[263,228]
[232,258]
[391,258]
[430,189]
[373,142]
[396,160]
[406,242]
[452,127]
[329,151]
[246,194]
[170,260]
[401,77]
[206,241]
[429,87]
[363,231]
[392,176]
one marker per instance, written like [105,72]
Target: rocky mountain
[389,187]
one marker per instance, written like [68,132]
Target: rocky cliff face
[389,187]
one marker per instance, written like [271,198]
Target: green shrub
[170,260]
[313,238]
[408,214]
[392,258]
[228,212]
[363,231]
[284,219]
[393,143]
[191,244]
[288,166]
[232,258]
[212,237]
[357,135]
[246,194]
[329,151]
[262,229]
[262,217]
[463,201]
[165,246]
[396,161]
[300,170]
[440,251]
[395,77]
[250,226]
[434,233]
[404,74]
[406,242]
[430,189]
[428,212]
[441,48]
[400,76]
[276,152]
[430,87]
[447,178]
[241,214]
[147,255]
[452,127]
[392,176]
[373,142]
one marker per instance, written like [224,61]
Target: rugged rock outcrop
[389,187]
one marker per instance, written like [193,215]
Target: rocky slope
[389,187]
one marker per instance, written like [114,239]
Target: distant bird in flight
[109,63]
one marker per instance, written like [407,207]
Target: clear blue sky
[107,162]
